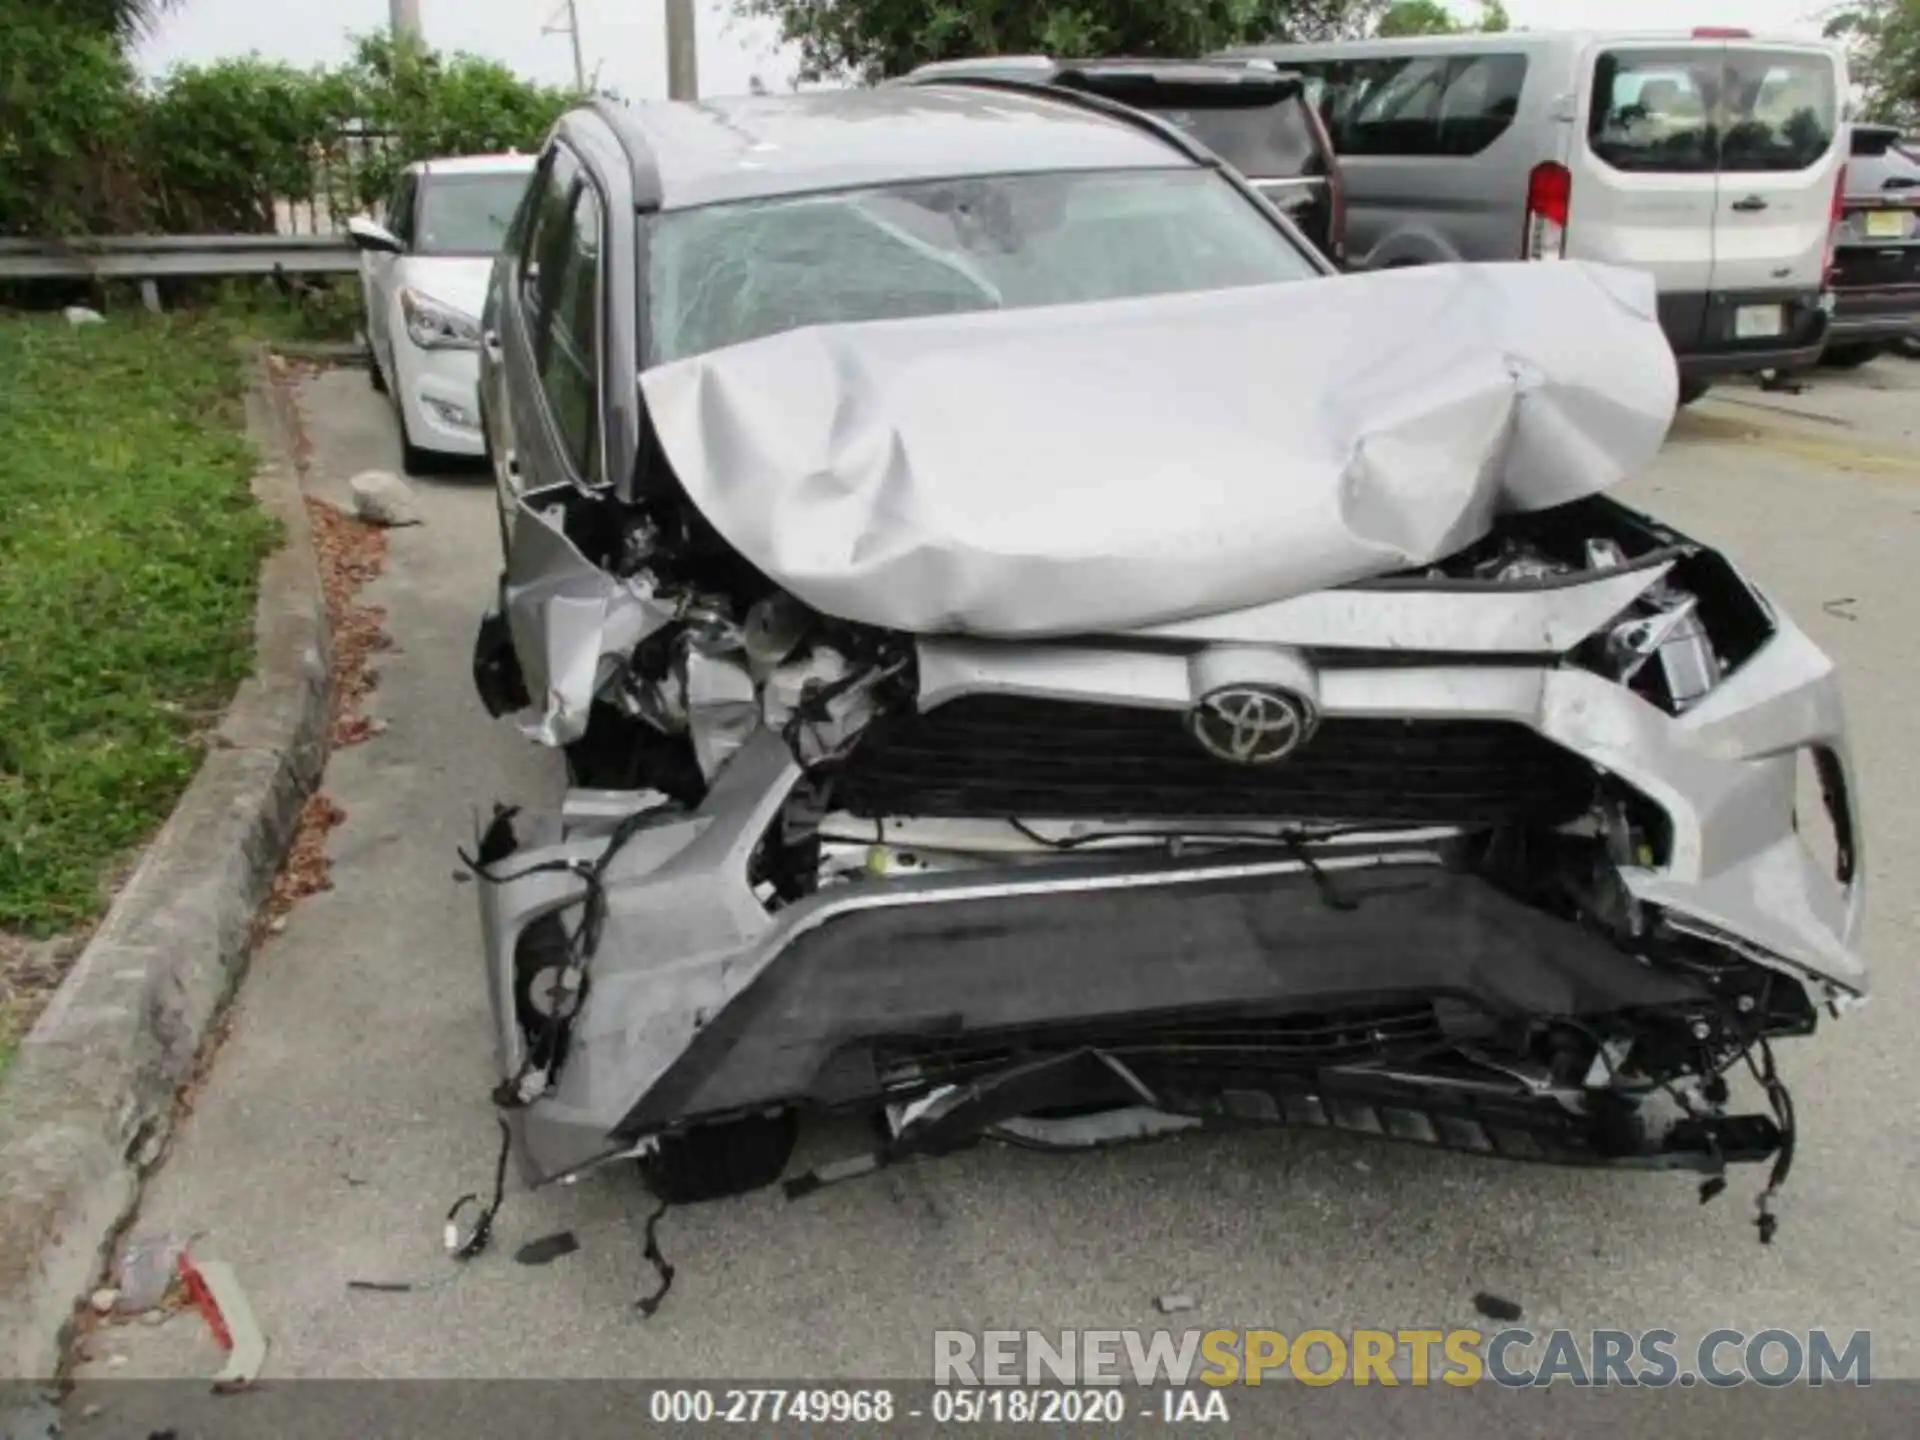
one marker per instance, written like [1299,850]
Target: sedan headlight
[434,325]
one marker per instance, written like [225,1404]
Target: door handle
[1753,204]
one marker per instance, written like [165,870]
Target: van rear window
[1712,110]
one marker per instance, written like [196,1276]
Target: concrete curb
[86,1107]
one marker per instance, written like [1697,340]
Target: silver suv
[1039,656]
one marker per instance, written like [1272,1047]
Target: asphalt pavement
[348,1107]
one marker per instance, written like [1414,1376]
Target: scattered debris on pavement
[1174,1304]
[1841,608]
[649,1305]
[217,1295]
[382,498]
[547,1249]
[146,1273]
[1496,1307]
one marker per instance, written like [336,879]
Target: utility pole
[405,17]
[683,64]
[572,30]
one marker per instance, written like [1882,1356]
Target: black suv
[1258,121]
[1876,260]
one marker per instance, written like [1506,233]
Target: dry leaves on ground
[350,554]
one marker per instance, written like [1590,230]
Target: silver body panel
[1073,493]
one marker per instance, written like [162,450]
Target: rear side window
[1264,141]
[1691,111]
[567,338]
[1444,105]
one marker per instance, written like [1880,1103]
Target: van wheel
[716,1161]
[1692,390]
[1848,357]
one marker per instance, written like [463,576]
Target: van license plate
[1757,322]
[1887,224]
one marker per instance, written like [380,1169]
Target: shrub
[68,127]
[224,141]
[214,148]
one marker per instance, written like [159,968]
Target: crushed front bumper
[705,1003]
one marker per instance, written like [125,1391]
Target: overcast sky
[622,38]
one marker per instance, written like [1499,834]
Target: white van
[1713,159]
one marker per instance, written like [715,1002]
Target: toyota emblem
[1251,724]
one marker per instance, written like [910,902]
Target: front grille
[995,756]
[1280,1042]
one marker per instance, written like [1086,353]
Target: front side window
[399,220]
[547,224]
[467,214]
[567,334]
[1703,111]
[723,274]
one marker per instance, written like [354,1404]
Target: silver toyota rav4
[1038,656]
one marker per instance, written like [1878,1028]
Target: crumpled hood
[1104,467]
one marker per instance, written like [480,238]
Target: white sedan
[424,276]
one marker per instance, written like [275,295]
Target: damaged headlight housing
[1684,634]
[716,681]
[435,325]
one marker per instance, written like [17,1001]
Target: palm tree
[126,19]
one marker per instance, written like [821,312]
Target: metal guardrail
[156,257]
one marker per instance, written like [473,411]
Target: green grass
[129,552]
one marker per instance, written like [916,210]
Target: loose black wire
[649,1305]
[483,1227]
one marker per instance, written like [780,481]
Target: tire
[717,1161]
[374,377]
[1848,357]
[1692,390]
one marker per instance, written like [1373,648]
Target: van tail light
[1549,207]
[1836,220]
